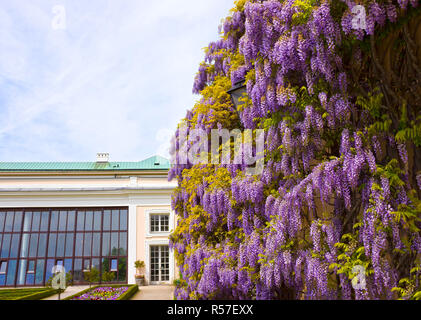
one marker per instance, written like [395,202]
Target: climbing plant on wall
[341,186]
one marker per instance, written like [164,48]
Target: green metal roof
[152,163]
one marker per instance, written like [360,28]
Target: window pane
[114,243]
[106,244]
[25,245]
[3,267]
[80,220]
[52,245]
[39,276]
[95,264]
[96,244]
[123,243]
[22,272]
[123,219]
[60,244]
[71,220]
[49,269]
[107,220]
[33,245]
[14,246]
[114,265]
[68,265]
[44,221]
[42,245]
[5,246]
[2,218]
[89,220]
[105,265]
[79,245]
[114,216]
[97,220]
[62,221]
[54,221]
[31,266]
[27,221]
[87,244]
[9,222]
[77,273]
[86,264]
[36,219]
[69,244]
[17,225]
[11,272]
[122,269]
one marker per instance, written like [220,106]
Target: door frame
[148,244]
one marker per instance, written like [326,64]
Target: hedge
[125,296]
[26,293]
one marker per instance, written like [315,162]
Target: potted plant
[140,276]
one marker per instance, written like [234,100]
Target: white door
[160,264]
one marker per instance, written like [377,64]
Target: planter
[140,281]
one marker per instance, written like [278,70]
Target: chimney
[102,157]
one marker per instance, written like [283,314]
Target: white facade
[144,193]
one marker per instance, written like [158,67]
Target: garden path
[69,291]
[159,292]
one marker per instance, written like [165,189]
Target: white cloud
[113,81]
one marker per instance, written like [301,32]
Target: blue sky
[116,79]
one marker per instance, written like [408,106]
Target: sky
[79,77]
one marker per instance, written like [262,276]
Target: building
[81,215]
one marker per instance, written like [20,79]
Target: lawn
[26,293]
[111,292]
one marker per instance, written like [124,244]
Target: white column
[132,249]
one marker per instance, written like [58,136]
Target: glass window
[2,218]
[3,267]
[9,222]
[123,219]
[106,244]
[42,245]
[22,272]
[69,244]
[123,243]
[31,266]
[62,221]
[159,223]
[86,264]
[36,219]
[96,244]
[97,220]
[49,269]
[107,220]
[5,247]
[68,265]
[115,218]
[71,220]
[114,243]
[52,245]
[54,221]
[122,269]
[88,220]
[25,245]
[87,244]
[79,245]
[11,271]
[114,265]
[17,225]
[80,220]
[77,273]
[60,244]
[39,275]
[44,221]
[27,221]
[59,262]
[33,245]
[14,248]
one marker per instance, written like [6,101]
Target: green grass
[26,293]
[133,288]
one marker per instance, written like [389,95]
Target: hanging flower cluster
[341,186]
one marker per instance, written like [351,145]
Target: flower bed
[102,293]
[113,292]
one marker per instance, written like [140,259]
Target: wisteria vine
[341,185]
